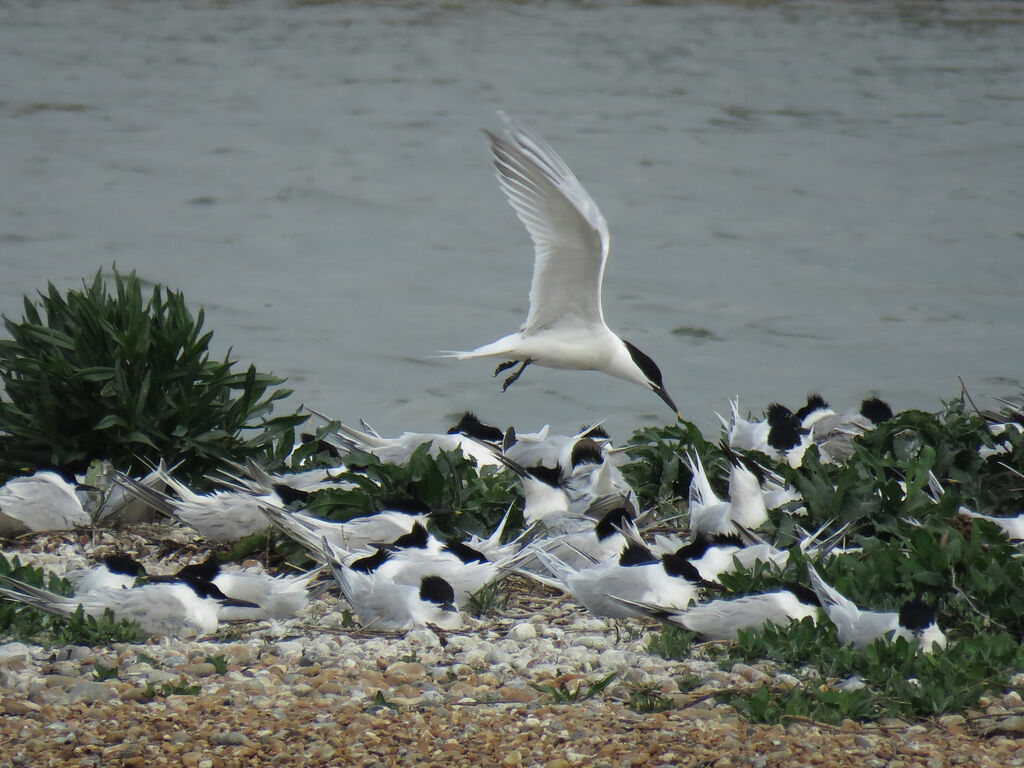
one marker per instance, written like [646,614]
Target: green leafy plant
[563,694]
[380,702]
[179,688]
[827,705]
[111,374]
[648,698]
[102,673]
[672,642]
[219,663]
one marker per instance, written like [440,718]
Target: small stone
[19,706]
[230,739]
[558,762]
[89,692]
[952,721]
[522,632]
[406,671]
[201,669]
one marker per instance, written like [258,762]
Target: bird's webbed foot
[504,366]
[514,376]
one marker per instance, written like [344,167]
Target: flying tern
[565,326]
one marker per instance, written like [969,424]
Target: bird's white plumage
[383,604]
[723,619]
[171,608]
[569,234]
[44,501]
[860,628]
[565,325]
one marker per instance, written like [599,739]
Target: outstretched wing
[569,234]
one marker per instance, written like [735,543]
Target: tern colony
[584,534]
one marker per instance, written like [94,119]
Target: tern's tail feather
[161,502]
[292,527]
[827,595]
[36,597]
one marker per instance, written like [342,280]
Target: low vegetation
[109,374]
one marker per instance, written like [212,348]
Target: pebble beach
[312,691]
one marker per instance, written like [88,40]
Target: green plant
[219,663]
[648,698]
[828,705]
[102,673]
[563,694]
[672,642]
[379,702]
[109,374]
[179,688]
[488,600]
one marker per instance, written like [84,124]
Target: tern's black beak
[660,392]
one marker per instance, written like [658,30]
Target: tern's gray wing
[569,234]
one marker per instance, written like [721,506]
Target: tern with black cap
[565,326]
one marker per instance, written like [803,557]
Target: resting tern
[43,501]
[357,533]
[399,450]
[565,326]
[1013,527]
[711,516]
[272,597]
[379,602]
[636,575]
[464,568]
[172,607]
[115,572]
[723,619]
[218,516]
[915,621]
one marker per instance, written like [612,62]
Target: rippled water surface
[801,196]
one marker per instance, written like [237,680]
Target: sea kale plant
[900,493]
[113,373]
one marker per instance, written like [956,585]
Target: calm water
[801,196]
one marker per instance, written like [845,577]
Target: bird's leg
[504,366]
[515,375]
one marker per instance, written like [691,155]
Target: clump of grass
[672,642]
[112,374]
[490,599]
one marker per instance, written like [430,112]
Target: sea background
[802,196]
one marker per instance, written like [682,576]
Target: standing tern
[565,326]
